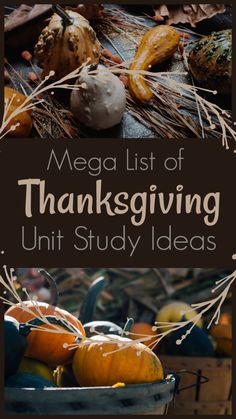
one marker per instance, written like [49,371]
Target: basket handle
[201,379]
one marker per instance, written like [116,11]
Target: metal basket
[147,399]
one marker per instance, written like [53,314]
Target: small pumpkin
[66,43]
[142,329]
[132,365]
[225,318]
[23,121]
[157,45]
[44,345]
[222,334]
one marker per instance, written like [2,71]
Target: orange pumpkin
[135,364]
[142,329]
[225,318]
[45,346]
[23,118]
[222,334]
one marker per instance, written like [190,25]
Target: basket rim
[157,386]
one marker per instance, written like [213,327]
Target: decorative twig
[34,98]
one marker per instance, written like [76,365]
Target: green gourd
[14,346]
[27,380]
[197,343]
[87,311]
[210,61]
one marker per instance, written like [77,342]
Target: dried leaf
[187,13]
[24,14]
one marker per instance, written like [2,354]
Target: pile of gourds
[201,342]
[97,353]
[99,100]
[36,356]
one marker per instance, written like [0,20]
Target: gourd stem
[67,20]
[89,304]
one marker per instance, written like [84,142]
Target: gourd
[140,329]
[93,366]
[174,311]
[88,308]
[210,61]
[196,344]
[102,326]
[14,346]
[46,346]
[32,366]
[66,43]
[27,380]
[157,45]
[100,101]
[23,118]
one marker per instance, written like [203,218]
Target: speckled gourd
[210,61]
[62,47]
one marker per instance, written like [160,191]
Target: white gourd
[100,102]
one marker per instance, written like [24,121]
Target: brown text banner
[117,203]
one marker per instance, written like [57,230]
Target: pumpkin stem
[129,323]
[93,67]
[66,19]
[53,286]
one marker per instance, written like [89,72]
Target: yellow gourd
[174,311]
[157,45]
